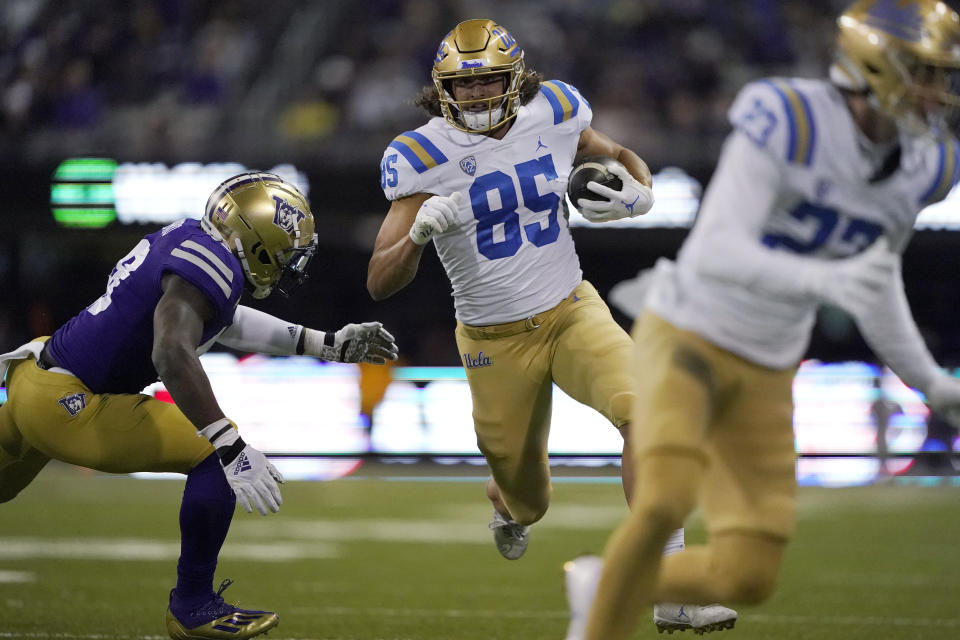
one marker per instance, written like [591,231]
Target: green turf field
[92,557]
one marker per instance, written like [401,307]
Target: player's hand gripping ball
[603,190]
[595,169]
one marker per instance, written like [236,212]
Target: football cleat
[701,618]
[511,538]
[580,577]
[218,619]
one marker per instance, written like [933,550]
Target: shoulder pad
[405,159]
[946,173]
[566,102]
[207,264]
[777,116]
[418,151]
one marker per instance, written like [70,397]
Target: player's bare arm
[177,329]
[594,143]
[396,257]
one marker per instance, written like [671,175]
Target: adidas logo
[237,622]
[243,464]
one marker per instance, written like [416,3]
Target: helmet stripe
[899,20]
[418,150]
[802,129]
[238,181]
[564,102]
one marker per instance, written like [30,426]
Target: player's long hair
[428,100]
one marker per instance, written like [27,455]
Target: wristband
[224,437]
[320,344]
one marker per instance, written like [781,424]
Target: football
[595,169]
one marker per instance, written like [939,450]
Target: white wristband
[321,344]
[225,438]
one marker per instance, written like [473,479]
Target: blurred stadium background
[324,86]
[165,92]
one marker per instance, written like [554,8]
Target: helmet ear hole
[263,256]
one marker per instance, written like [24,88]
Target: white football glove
[436,215]
[943,397]
[364,342]
[251,476]
[855,284]
[633,199]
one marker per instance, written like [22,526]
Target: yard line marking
[469,527]
[123,549]
[382,530]
[8,577]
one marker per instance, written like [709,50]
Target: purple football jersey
[108,345]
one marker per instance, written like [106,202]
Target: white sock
[674,543]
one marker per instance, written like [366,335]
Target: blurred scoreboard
[306,410]
[95,192]
[300,407]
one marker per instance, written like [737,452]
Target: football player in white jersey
[484,179]
[812,202]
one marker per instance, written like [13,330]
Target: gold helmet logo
[268,225]
[472,49]
[907,55]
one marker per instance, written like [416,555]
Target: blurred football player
[485,180]
[812,203]
[75,397]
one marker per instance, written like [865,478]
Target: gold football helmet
[907,55]
[478,48]
[268,224]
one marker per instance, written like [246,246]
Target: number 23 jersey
[830,201]
[509,255]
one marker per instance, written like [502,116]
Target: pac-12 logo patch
[286,216]
[469,165]
[75,403]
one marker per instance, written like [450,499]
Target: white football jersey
[830,202]
[510,254]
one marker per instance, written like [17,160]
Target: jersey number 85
[506,214]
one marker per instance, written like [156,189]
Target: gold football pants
[511,369]
[50,415]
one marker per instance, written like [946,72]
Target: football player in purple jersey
[75,396]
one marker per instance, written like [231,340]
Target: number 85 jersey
[509,255]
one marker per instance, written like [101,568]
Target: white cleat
[580,577]
[701,618]
[511,537]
